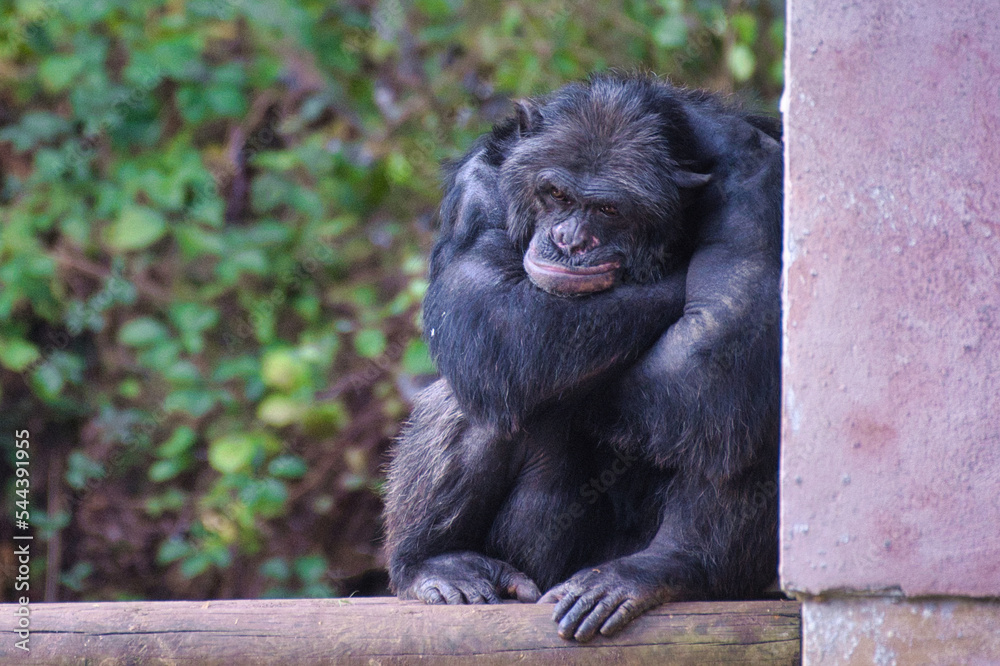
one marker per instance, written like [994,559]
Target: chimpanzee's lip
[545,266]
[563,269]
[562,280]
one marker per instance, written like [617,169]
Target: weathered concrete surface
[883,631]
[891,430]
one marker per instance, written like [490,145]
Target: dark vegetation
[216,217]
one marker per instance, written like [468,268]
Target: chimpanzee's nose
[571,238]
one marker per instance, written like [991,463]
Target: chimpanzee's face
[594,196]
[584,232]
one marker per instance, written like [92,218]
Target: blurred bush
[215,222]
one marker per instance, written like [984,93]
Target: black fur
[618,448]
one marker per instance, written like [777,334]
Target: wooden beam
[387,631]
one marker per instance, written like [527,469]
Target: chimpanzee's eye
[609,210]
[558,195]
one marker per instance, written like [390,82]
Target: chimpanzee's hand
[468,578]
[603,598]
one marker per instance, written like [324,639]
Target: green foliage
[214,224]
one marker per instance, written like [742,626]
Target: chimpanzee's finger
[595,621]
[553,595]
[519,586]
[625,613]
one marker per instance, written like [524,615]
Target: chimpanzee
[604,309]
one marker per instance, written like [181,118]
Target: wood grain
[387,631]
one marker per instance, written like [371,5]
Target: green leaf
[234,263]
[130,388]
[370,343]
[417,359]
[310,568]
[171,499]
[81,469]
[364,296]
[137,227]
[266,497]
[238,451]
[81,317]
[776,33]
[777,72]
[279,411]
[277,160]
[741,61]
[182,373]
[164,470]
[232,453]
[193,316]
[745,25]
[268,191]
[434,9]
[320,590]
[17,354]
[287,467]
[161,355]
[178,56]
[75,578]
[226,100]
[194,402]
[398,169]
[143,332]
[283,369]
[276,568]
[195,565]
[57,72]
[243,367]
[192,319]
[194,241]
[180,440]
[324,419]
[35,127]
[172,550]
[47,381]
[670,32]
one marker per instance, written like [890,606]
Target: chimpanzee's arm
[447,479]
[705,397]
[699,552]
[506,346]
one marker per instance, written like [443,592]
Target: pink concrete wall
[890,472]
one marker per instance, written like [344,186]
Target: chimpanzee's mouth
[565,269]
[565,280]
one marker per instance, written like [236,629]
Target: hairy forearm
[506,346]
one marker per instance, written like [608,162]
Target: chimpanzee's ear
[691,179]
[529,117]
